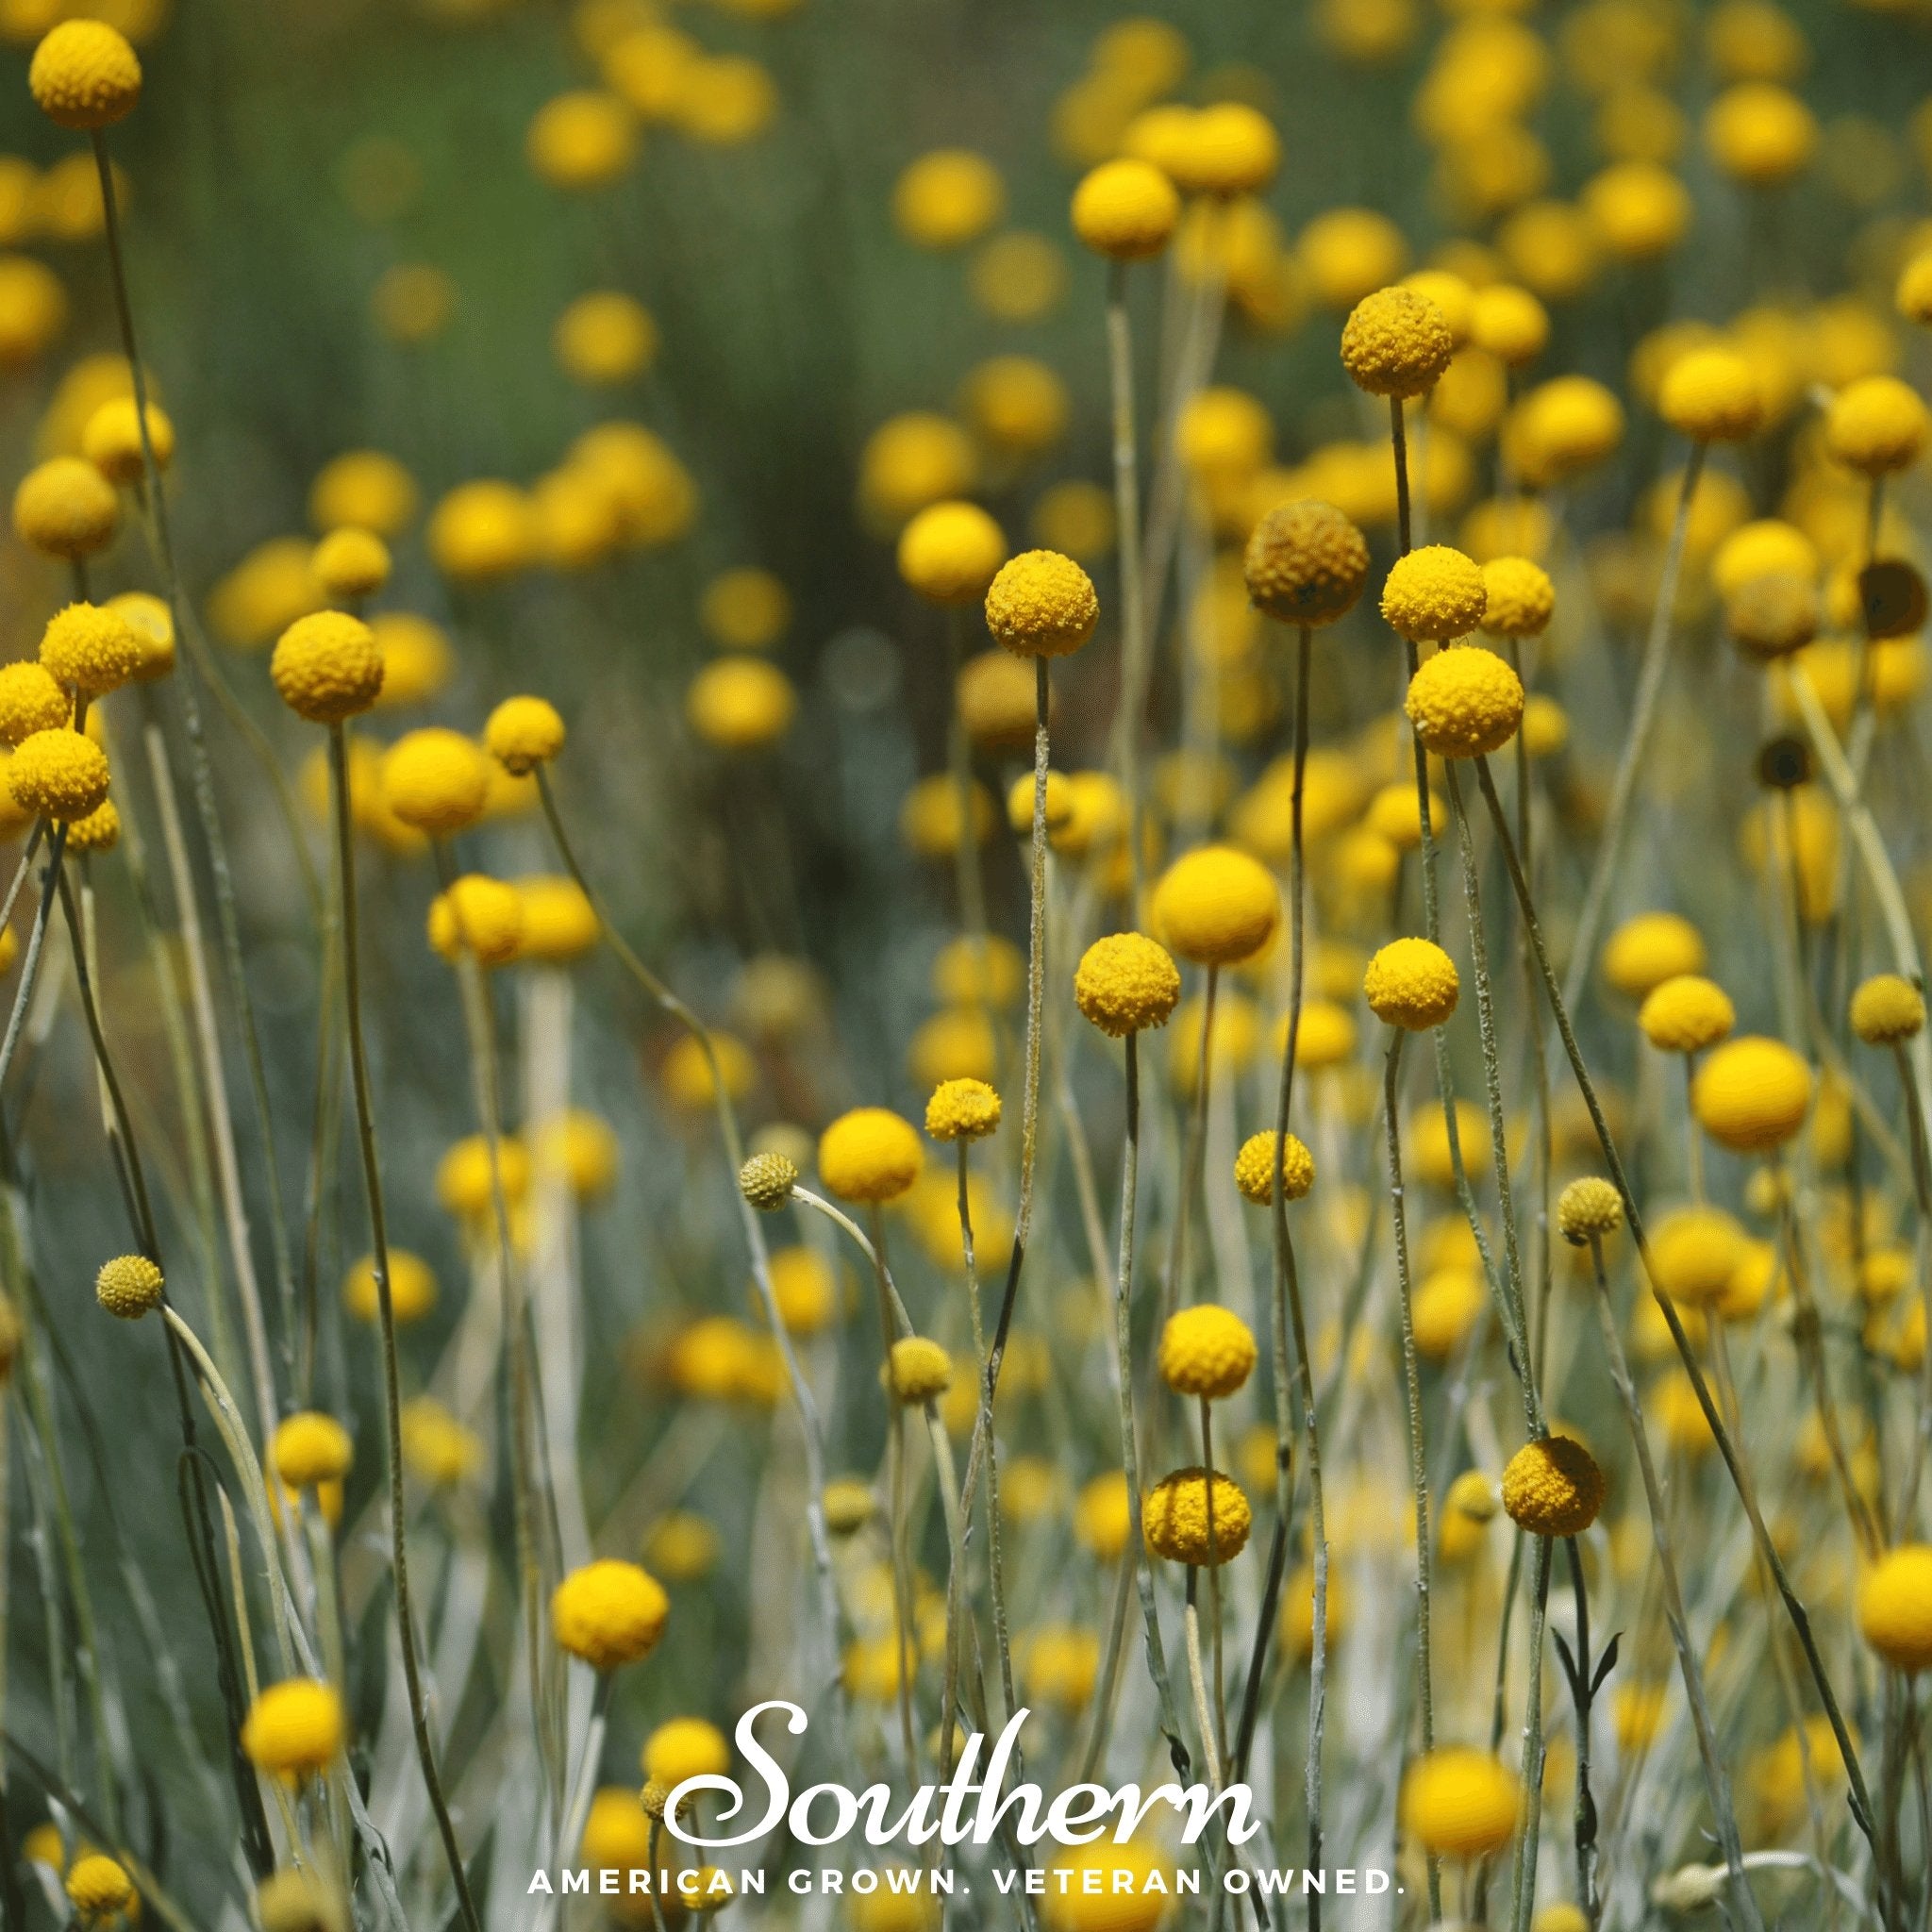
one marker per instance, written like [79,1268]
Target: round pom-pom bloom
[1588,1210]
[100,831]
[1686,1014]
[766,1181]
[1395,344]
[97,1887]
[293,1728]
[963,1111]
[1126,208]
[129,1285]
[111,441]
[30,701]
[412,1286]
[1254,1168]
[1509,323]
[1464,703]
[951,552]
[60,773]
[1886,1009]
[91,649]
[609,1613]
[1459,1804]
[1042,605]
[1561,427]
[1432,594]
[685,1747]
[1173,1518]
[65,507]
[436,780]
[85,76]
[523,733]
[947,198]
[1412,984]
[1752,1094]
[869,1154]
[741,704]
[350,563]
[1306,564]
[328,667]
[1760,134]
[1216,906]
[1519,599]
[1650,948]
[1895,1607]
[1229,148]
[1874,426]
[1712,396]
[1694,1254]
[310,1448]
[918,1370]
[1553,1488]
[1206,1351]
[477,915]
[1127,983]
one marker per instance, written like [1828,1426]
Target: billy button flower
[436,780]
[741,704]
[1686,1014]
[85,76]
[963,1111]
[1206,1351]
[1396,343]
[1176,1514]
[917,1370]
[129,1285]
[1712,396]
[98,1888]
[61,773]
[1648,949]
[65,507]
[326,667]
[1895,1607]
[1255,1165]
[1127,983]
[1433,594]
[311,1449]
[951,552]
[1752,1094]
[351,564]
[1306,564]
[91,650]
[293,1729]
[609,1613]
[1125,209]
[1459,1804]
[1519,600]
[1886,1009]
[30,701]
[1412,984]
[1552,1486]
[111,440]
[1464,703]
[870,1155]
[479,915]
[1875,426]
[1216,907]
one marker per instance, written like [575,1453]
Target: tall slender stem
[1136,654]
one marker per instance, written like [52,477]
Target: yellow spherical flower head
[869,1154]
[1760,134]
[1874,426]
[1127,983]
[1464,703]
[609,1613]
[1640,210]
[90,649]
[129,1285]
[111,441]
[1108,1886]
[1694,1254]
[464,1183]
[559,922]
[366,489]
[685,1747]
[581,140]
[1216,907]
[1174,1513]
[741,704]
[1712,396]
[153,624]
[744,609]
[1057,806]
[1509,323]
[482,531]
[1226,149]
[1255,1167]
[477,915]
[1448,1304]
[523,733]
[1396,343]
[1042,605]
[605,337]
[85,76]
[963,1111]
[294,1728]
[1686,1014]
[1306,564]
[1412,984]
[59,774]
[309,1449]
[1206,1351]
[100,831]
[1459,1804]
[1432,594]
[947,198]
[97,1887]
[1126,208]
[1016,404]
[1895,1607]
[65,507]
[1552,1486]
[350,563]
[30,701]
[1519,599]
[918,1370]
[1563,427]
[1650,948]
[328,667]
[436,780]
[1886,1009]
[911,460]
[412,1286]
[951,552]
[1752,1094]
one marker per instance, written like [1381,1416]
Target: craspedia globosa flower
[436,780]
[766,1181]
[1255,1165]
[1412,984]
[1395,344]
[1461,1803]
[60,773]
[1126,209]
[1306,564]
[90,649]
[1895,1607]
[129,1285]
[1752,1094]
[1874,426]
[1175,1512]
[1686,1014]
[310,1448]
[85,76]
[1432,594]
[1127,983]
[30,701]
[1042,605]
[1712,396]
[1552,1486]
[1588,1210]
[918,1370]
[1206,1351]
[609,1613]
[1464,703]
[869,1154]
[328,667]
[963,1111]
[951,552]
[98,1887]
[1216,906]
[65,507]
[1519,600]
[479,915]
[523,733]
[1887,1008]
[294,1728]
